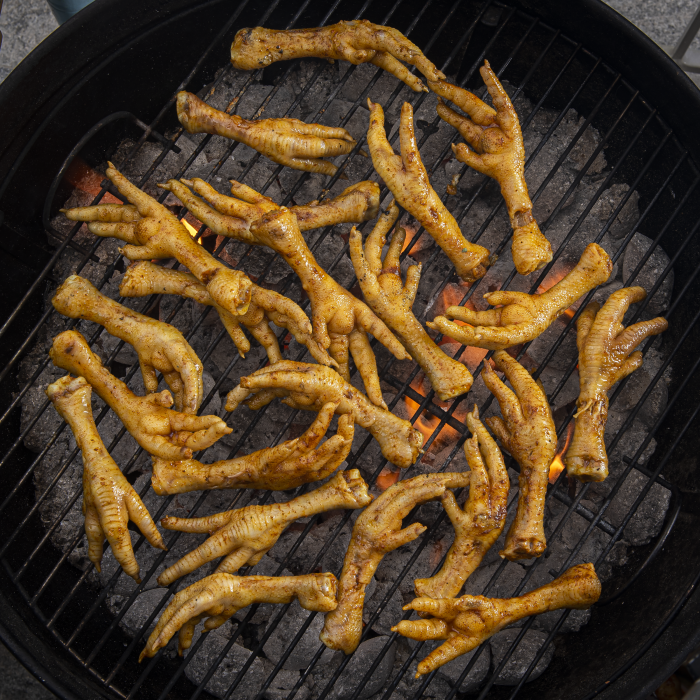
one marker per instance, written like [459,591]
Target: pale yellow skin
[145,278]
[159,430]
[232,216]
[109,500]
[522,317]
[340,321]
[160,346]
[286,466]
[310,387]
[469,621]
[479,525]
[220,596]
[407,178]
[605,357]
[392,301]
[243,536]
[377,532]
[527,432]
[285,141]
[499,152]
[152,232]
[356,41]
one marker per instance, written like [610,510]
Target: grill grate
[636,143]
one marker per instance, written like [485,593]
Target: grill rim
[103,2]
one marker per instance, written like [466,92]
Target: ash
[58,469]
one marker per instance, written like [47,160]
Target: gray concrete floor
[24,23]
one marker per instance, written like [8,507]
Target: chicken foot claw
[145,278]
[279,468]
[392,301]
[245,535]
[522,317]
[377,532]
[285,141]
[220,596]
[109,500]
[407,178]
[497,150]
[158,429]
[527,432]
[356,41]
[479,525]
[310,387]
[605,357]
[467,622]
[160,346]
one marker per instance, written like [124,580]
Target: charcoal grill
[113,71]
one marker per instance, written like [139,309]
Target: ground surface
[24,23]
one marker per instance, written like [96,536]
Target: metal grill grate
[640,149]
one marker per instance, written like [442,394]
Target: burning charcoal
[654,404]
[284,633]
[282,683]
[391,612]
[452,670]
[408,685]
[233,662]
[573,623]
[49,421]
[359,664]
[649,274]
[140,610]
[522,657]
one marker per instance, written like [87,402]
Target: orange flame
[387,477]
[191,229]
[557,465]
[425,423]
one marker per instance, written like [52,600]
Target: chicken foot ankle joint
[392,301]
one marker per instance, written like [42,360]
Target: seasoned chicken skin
[310,387]
[522,317]
[109,500]
[357,41]
[243,536]
[145,278]
[407,178]
[232,216]
[469,621]
[479,525]
[527,432]
[159,430]
[377,532]
[392,301]
[286,141]
[340,320]
[605,357]
[286,466]
[152,231]
[220,596]
[497,150]
[160,346]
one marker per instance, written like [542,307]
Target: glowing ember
[425,423]
[387,477]
[557,465]
[81,176]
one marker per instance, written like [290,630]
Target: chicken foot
[383,290]
[310,387]
[285,141]
[527,432]
[109,500]
[160,346]
[220,596]
[605,357]
[377,532]
[356,41]
[497,150]
[244,535]
[522,317]
[159,430]
[286,466]
[407,178]
[145,278]
[467,622]
[479,525]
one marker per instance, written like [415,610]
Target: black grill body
[112,71]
